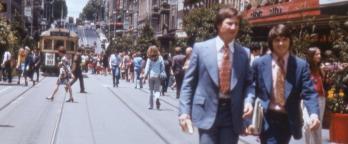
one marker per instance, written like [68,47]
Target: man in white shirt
[6,65]
[114,63]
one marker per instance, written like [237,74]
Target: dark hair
[166,56]
[314,67]
[279,30]
[227,11]
[255,47]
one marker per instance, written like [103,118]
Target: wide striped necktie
[225,71]
[280,83]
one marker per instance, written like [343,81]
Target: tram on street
[50,41]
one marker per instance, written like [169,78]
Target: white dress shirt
[7,57]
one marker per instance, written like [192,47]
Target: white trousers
[313,137]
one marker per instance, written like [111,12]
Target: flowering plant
[336,100]
[337,94]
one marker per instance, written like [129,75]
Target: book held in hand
[256,123]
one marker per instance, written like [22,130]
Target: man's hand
[182,119]
[315,124]
[248,110]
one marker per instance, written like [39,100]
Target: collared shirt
[115,60]
[220,53]
[154,68]
[275,69]
[7,57]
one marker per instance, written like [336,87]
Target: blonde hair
[152,51]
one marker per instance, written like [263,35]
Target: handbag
[257,118]
[163,74]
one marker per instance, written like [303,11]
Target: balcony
[155,11]
[165,8]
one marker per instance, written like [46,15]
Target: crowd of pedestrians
[28,63]
[217,82]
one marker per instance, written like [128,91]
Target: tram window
[70,46]
[47,44]
[58,43]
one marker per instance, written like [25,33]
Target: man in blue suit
[282,80]
[215,84]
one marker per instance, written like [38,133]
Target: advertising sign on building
[49,59]
[27,11]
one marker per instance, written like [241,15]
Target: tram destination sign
[59,33]
[50,59]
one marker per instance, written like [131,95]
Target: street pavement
[103,115]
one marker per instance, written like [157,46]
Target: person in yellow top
[20,63]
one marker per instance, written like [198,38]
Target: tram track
[161,99]
[147,123]
[57,123]
[18,96]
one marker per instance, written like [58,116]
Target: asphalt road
[104,115]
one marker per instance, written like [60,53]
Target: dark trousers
[165,84]
[7,72]
[178,79]
[37,71]
[278,131]
[222,130]
[115,75]
[80,77]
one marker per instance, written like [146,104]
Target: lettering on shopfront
[275,11]
[272,11]
[256,13]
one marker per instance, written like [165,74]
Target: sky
[75,7]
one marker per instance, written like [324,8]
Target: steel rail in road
[56,127]
[140,117]
[17,97]
[162,100]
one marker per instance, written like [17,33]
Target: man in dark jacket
[177,67]
[37,63]
[77,71]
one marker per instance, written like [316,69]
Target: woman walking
[20,64]
[63,79]
[154,70]
[314,60]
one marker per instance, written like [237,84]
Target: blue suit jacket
[298,86]
[200,89]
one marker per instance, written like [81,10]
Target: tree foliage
[89,12]
[60,9]
[7,36]
[121,43]
[199,24]
[146,38]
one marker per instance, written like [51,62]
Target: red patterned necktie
[225,71]
[280,83]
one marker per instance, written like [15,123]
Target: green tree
[7,36]
[199,24]
[146,39]
[91,9]
[60,10]
[121,43]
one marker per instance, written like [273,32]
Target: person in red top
[314,60]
